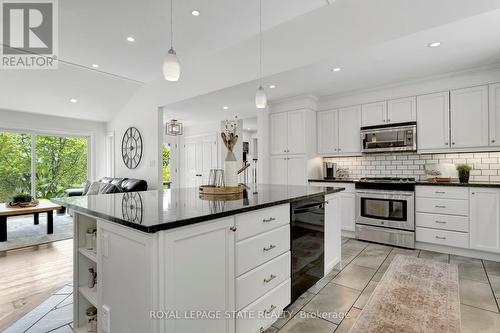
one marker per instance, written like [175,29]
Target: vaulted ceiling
[374,41]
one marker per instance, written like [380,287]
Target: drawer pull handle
[269,248]
[232,228]
[439,206]
[270,278]
[271,308]
[442,222]
[271,219]
[439,237]
[439,192]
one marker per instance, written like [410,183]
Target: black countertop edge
[193,220]
[471,184]
[338,180]
[423,183]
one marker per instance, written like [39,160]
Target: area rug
[414,295]
[21,231]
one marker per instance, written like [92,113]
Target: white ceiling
[374,41]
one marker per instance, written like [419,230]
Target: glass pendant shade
[260,98]
[171,66]
[174,128]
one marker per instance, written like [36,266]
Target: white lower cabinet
[199,270]
[442,237]
[485,219]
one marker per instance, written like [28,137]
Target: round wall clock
[132,147]
[132,207]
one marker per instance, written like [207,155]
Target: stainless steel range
[385,211]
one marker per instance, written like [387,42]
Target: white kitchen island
[174,262]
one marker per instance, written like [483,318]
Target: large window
[15,164]
[58,163]
[61,163]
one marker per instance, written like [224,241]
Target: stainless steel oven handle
[402,193]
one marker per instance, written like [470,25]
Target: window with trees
[43,165]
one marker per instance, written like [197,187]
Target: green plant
[463,168]
[22,197]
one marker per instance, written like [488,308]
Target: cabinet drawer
[260,280]
[442,237]
[444,192]
[444,222]
[442,206]
[271,305]
[253,223]
[259,249]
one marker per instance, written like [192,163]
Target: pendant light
[260,96]
[171,65]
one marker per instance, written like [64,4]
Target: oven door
[391,209]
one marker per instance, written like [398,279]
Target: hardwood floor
[28,276]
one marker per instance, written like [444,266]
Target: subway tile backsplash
[485,166]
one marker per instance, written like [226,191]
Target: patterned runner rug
[414,295]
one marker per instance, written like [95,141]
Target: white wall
[142,113]
[17,120]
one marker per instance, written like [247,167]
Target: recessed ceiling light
[225,107]
[249,129]
[73,100]
[336,69]
[195,13]
[434,44]
[95,65]
[272,86]
[130,39]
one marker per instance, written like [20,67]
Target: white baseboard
[458,251]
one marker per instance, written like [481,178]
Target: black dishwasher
[307,243]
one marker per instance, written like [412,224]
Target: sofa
[109,185]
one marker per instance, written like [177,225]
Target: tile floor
[344,291]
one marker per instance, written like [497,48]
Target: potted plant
[463,172]
[229,137]
[21,197]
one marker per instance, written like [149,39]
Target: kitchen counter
[152,211]
[425,183]
[337,180]
[470,184]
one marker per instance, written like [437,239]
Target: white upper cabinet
[349,123]
[433,121]
[469,117]
[494,111]
[401,110]
[327,132]
[485,219]
[293,132]
[278,133]
[296,132]
[374,114]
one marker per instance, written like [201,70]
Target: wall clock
[132,207]
[132,147]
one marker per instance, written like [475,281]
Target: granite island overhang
[172,261]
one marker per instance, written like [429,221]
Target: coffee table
[44,206]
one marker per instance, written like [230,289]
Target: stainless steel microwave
[389,138]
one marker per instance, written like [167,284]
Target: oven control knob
[382,222]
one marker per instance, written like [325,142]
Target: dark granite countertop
[425,183]
[152,211]
[336,180]
[470,184]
